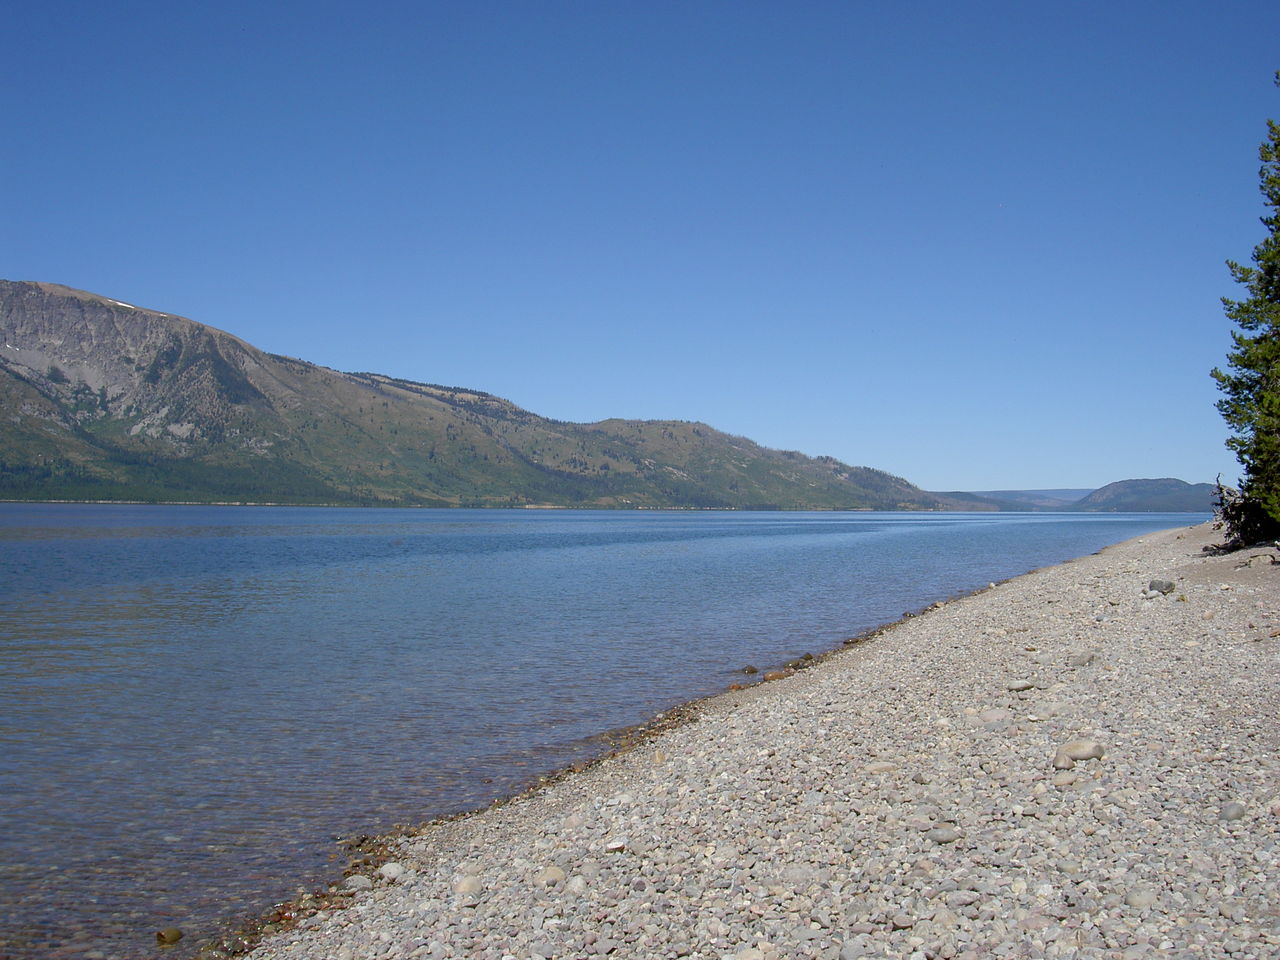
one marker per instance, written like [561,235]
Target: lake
[198,700]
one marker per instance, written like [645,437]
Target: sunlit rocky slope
[101,399]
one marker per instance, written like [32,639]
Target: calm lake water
[197,700]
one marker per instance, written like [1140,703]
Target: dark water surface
[194,701]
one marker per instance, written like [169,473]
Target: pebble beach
[1080,762]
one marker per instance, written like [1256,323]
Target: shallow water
[197,700]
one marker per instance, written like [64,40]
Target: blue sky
[978,245]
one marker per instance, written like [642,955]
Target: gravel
[1058,766]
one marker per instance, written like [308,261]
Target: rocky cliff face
[154,376]
[103,399]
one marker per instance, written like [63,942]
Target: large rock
[1066,756]
[1233,810]
[391,871]
[549,876]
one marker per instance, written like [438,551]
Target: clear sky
[979,245]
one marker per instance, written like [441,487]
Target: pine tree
[1251,405]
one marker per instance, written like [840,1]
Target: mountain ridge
[107,400]
[1166,495]
[104,400]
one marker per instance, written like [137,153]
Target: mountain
[1123,496]
[1166,495]
[100,399]
[1022,501]
[1057,499]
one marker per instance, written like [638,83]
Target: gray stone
[549,876]
[1141,898]
[391,871]
[357,882]
[1082,750]
[1232,810]
[1074,750]
[943,835]
[1019,686]
[1049,709]
[1161,586]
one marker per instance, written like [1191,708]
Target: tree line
[1251,383]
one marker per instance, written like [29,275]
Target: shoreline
[638,854]
[370,851]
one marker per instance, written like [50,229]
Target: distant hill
[1150,496]
[1024,501]
[1039,499]
[100,399]
[1123,496]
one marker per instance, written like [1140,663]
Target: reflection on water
[198,699]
